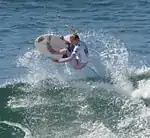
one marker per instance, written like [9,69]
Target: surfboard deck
[42,41]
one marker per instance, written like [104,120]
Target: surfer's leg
[80,66]
[77,65]
[66,52]
[63,51]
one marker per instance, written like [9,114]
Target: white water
[24,129]
[110,58]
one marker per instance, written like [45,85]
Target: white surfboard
[55,41]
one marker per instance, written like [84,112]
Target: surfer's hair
[74,37]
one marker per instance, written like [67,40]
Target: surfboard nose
[41,38]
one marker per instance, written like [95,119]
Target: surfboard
[42,42]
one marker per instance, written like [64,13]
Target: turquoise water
[41,99]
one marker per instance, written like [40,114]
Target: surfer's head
[74,39]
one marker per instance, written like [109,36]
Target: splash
[141,79]
[61,105]
[111,58]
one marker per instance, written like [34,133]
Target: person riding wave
[76,53]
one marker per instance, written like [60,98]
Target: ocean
[108,99]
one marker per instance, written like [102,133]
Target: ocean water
[41,99]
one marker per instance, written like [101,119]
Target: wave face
[49,100]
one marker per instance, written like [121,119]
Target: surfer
[76,53]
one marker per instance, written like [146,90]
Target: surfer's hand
[55,60]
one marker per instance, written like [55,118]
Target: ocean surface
[108,99]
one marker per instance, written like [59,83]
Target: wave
[68,110]
[56,101]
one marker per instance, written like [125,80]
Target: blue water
[41,99]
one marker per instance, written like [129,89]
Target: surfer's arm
[73,55]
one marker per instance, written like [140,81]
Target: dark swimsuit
[69,48]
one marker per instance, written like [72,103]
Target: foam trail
[96,130]
[143,90]
[141,79]
[25,130]
[68,71]
[94,71]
